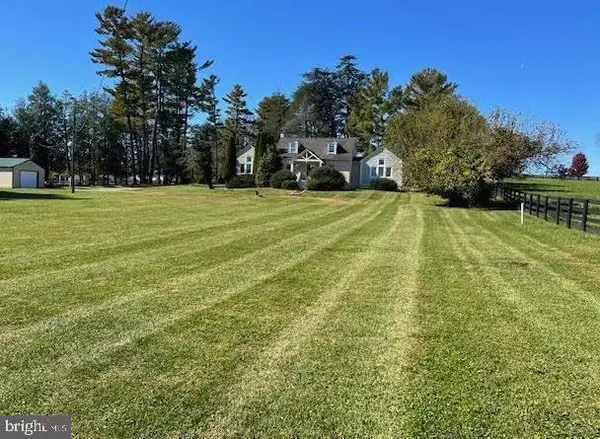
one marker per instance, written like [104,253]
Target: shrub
[384,184]
[241,181]
[325,179]
[476,194]
[280,176]
[290,185]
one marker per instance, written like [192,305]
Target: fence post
[570,213]
[546,208]
[537,206]
[530,203]
[558,212]
[585,215]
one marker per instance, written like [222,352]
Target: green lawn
[181,312]
[559,188]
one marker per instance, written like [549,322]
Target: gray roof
[346,147]
[244,150]
[11,162]
[374,153]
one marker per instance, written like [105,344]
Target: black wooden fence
[574,213]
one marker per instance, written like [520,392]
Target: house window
[242,168]
[332,148]
[293,147]
[381,170]
[248,164]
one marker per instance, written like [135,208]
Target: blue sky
[538,57]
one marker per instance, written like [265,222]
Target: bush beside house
[279,177]
[325,179]
[384,184]
[290,185]
[241,181]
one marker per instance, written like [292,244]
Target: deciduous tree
[579,165]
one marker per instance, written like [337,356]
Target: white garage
[20,173]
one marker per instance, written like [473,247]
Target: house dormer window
[293,147]
[332,148]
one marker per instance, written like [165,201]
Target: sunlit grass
[184,312]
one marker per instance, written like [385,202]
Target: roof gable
[346,147]
[11,162]
[244,150]
[377,152]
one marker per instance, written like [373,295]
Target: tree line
[141,128]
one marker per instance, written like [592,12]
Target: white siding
[28,166]
[6,178]
[370,164]
[244,160]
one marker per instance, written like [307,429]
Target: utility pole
[73,145]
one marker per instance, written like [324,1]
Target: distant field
[560,188]
[181,312]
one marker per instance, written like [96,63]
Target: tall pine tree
[209,104]
[237,124]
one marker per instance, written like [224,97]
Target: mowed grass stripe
[563,315]
[57,257]
[576,265]
[132,215]
[128,224]
[98,281]
[266,376]
[338,371]
[188,304]
[461,380]
[85,308]
[228,337]
[529,399]
[567,293]
[150,243]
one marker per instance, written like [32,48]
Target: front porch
[302,165]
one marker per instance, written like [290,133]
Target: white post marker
[522,213]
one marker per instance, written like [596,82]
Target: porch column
[292,166]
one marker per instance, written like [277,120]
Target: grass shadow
[494,204]
[10,195]
[536,187]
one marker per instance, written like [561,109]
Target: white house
[301,155]
[381,163]
[16,172]
[245,160]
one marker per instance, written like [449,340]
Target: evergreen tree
[264,144]
[238,120]
[13,141]
[369,117]
[38,116]
[154,89]
[273,113]
[114,53]
[230,168]
[202,143]
[268,165]
[350,81]
[237,126]
[209,104]
[426,86]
